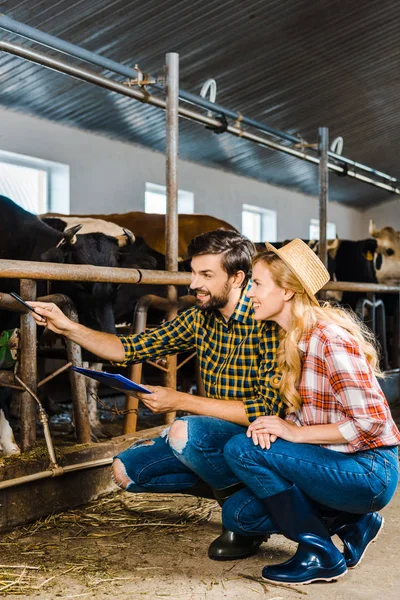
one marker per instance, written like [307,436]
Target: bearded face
[207,300]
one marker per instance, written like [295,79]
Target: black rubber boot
[230,545]
[201,489]
[317,558]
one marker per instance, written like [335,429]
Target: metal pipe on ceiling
[184,111]
[75,51]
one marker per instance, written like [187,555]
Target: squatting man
[237,360]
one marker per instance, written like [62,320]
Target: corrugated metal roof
[295,65]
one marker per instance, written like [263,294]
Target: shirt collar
[303,344]
[305,338]
[244,312]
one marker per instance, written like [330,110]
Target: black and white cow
[23,236]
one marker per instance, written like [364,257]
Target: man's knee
[119,473]
[178,435]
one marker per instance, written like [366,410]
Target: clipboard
[118,382]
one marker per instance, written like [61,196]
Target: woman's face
[269,300]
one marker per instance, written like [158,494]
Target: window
[155,200]
[314,230]
[37,185]
[259,224]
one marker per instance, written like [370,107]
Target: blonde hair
[305,315]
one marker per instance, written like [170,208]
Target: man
[237,362]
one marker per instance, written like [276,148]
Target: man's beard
[214,302]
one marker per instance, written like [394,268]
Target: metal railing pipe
[18,269]
[349,286]
[89,464]
[100,462]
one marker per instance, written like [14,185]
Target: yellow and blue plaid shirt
[237,358]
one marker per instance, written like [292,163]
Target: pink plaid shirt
[337,386]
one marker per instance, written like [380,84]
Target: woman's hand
[265,430]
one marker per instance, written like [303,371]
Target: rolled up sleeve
[357,390]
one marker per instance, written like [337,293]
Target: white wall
[385,214]
[109,176]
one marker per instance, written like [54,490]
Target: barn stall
[216,119]
[96,457]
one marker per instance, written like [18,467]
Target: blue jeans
[158,466]
[355,483]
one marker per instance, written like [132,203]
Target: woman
[337,446]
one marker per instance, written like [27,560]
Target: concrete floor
[100,559]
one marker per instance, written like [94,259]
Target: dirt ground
[129,546]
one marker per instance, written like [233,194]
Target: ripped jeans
[175,465]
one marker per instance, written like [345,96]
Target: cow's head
[93,300]
[387,260]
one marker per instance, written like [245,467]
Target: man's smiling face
[210,282]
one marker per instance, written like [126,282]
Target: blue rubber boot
[316,558]
[357,532]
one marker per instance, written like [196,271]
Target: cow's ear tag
[368,255]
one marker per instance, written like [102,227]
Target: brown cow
[151,227]
[387,261]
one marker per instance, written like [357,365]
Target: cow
[137,255]
[387,259]
[90,226]
[151,227]
[23,236]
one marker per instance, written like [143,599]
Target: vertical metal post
[171,232]
[323,148]
[78,386]
[135,373]
[28,368]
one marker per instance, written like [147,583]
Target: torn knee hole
[139,443]
[120,476]
[178,436]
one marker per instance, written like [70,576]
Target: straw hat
[304,264]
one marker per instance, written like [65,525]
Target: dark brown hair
[237,251]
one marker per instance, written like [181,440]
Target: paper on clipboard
[118,382]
